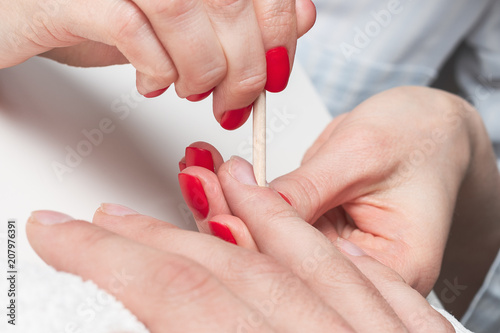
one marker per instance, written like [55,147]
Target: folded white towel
[56,302]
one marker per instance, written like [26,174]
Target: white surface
[44,107]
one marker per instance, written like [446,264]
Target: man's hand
[385,176]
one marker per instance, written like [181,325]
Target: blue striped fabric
[361,47]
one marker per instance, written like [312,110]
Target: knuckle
[128,22]
[335,275]
[306,192]
[280,22]
[250,266]
[249,84]
[176,9]
[180,280]
[200,81]
[228,6]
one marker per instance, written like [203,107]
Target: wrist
[474,238]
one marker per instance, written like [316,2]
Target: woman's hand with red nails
[233,48]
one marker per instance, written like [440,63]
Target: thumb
[306,16]
[341,170]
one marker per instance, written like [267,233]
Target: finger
[233,230]
[306,16]
[226,227]
[239,34]
[323,137]
[278,26]
[124,25]
[268,287]
[202,154]
[345,166]
[279,231]
[413,309]
[203,195]
[186,31]
[163,290]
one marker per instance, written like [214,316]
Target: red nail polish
[222,231]
[278,69]
[182,166]
[199,157]
[285,198]
[194,194]
[155,93]
[199,97]
[233,119]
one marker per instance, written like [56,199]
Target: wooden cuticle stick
[259,139]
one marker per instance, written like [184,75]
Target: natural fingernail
[155,93]
[242,171]
[222,231]
[349,248]
[199,97]
[117,210]
[285,198]
[278,69]
[194,194]
[199,157]
[234,119]
[49,217]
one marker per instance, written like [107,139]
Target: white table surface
[45,106]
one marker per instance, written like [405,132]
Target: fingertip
[199,157]
[234,119]
[233,230]
[278,69]
[221,231]
[306,16]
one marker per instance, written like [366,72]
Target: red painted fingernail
[199,97]
[233,119]
[182,165]
[194,194]
[222,231]
[199,157]
[285,198]
[278,69]
[155,93]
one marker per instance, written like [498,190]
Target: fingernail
[155,93]
[199,157]
[233,119]
[49,217]
[194,194]
[199,97]
[222,231]
[278,69]
[117,210]
[285,198]
[182,166]
[242,171]
[349,248]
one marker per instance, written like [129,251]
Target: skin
[196,44]
[187,281]
[358,182]
[332,280]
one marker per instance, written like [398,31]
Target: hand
[199,45]
[384,176]
[182,281]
